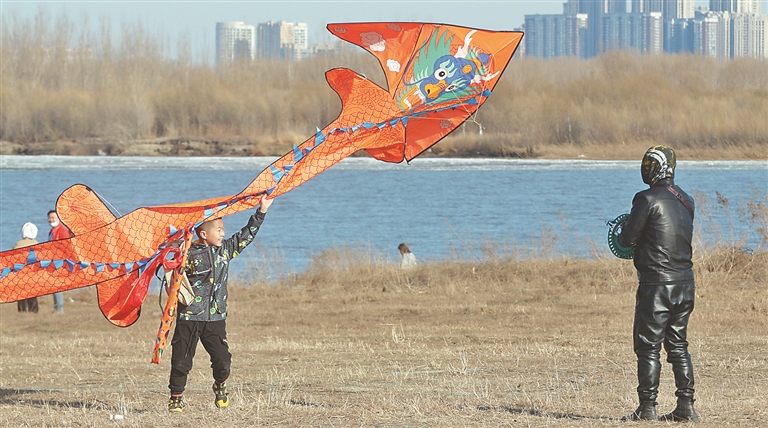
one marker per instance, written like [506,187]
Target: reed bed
[62,82]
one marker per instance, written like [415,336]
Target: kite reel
[614,227]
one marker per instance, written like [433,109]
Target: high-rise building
[595,9]
[712,35]
[735,6]
[678,9]
[273,40]
[235,41]
[571,7]
[670,9]
[641,32]
[282,40]
[727,29]
[678,35]
[549,36]
[749,35]
[520,52]
[645,6]
[300,41]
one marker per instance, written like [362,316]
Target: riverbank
[530,343]
[451,147]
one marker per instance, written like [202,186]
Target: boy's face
[214,235]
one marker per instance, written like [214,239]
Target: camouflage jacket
[207,269]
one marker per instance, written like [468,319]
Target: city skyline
[585,29]
[195,22]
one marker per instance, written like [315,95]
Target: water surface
[442,208]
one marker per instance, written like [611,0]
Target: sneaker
[175,404]
[222,399]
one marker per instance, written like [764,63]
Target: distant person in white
[407,259]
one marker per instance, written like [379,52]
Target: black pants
[661,316]
[28,305]
[213,335]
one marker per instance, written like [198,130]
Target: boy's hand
[264,204]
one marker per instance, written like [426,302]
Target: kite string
[103,199]
[472,116]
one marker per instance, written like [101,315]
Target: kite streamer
[169,313]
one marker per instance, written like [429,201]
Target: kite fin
[120,299]
[358,97]
[81,210]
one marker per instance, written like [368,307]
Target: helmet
[659,162]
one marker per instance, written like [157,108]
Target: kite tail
[169,313]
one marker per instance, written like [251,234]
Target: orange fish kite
[437,75]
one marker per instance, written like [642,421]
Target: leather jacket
[660,227]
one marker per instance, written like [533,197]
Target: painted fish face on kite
[437,76]
[442,72]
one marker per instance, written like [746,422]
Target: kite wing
[437,76]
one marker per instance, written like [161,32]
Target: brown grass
[62,83]
[356,342]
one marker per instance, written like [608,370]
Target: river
[442,208]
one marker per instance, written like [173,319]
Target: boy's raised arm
[241,239]
[265,204]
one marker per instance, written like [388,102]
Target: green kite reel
[617,249]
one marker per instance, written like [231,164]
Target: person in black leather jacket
[660,227]
[204,319]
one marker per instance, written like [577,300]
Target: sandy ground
[503,343]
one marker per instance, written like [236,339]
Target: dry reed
[61,81]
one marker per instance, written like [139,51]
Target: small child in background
[28,237]
[204,319]
[407,259]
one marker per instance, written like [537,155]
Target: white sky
[196,20]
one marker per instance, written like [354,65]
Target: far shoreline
[449,148]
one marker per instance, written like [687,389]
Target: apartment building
[235,41]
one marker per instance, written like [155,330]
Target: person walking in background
[407,259]
[28,237]
[660,228]
[58,231]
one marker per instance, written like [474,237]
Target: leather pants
[661,316]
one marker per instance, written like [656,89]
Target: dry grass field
[357,342]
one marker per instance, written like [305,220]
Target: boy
[204,319]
